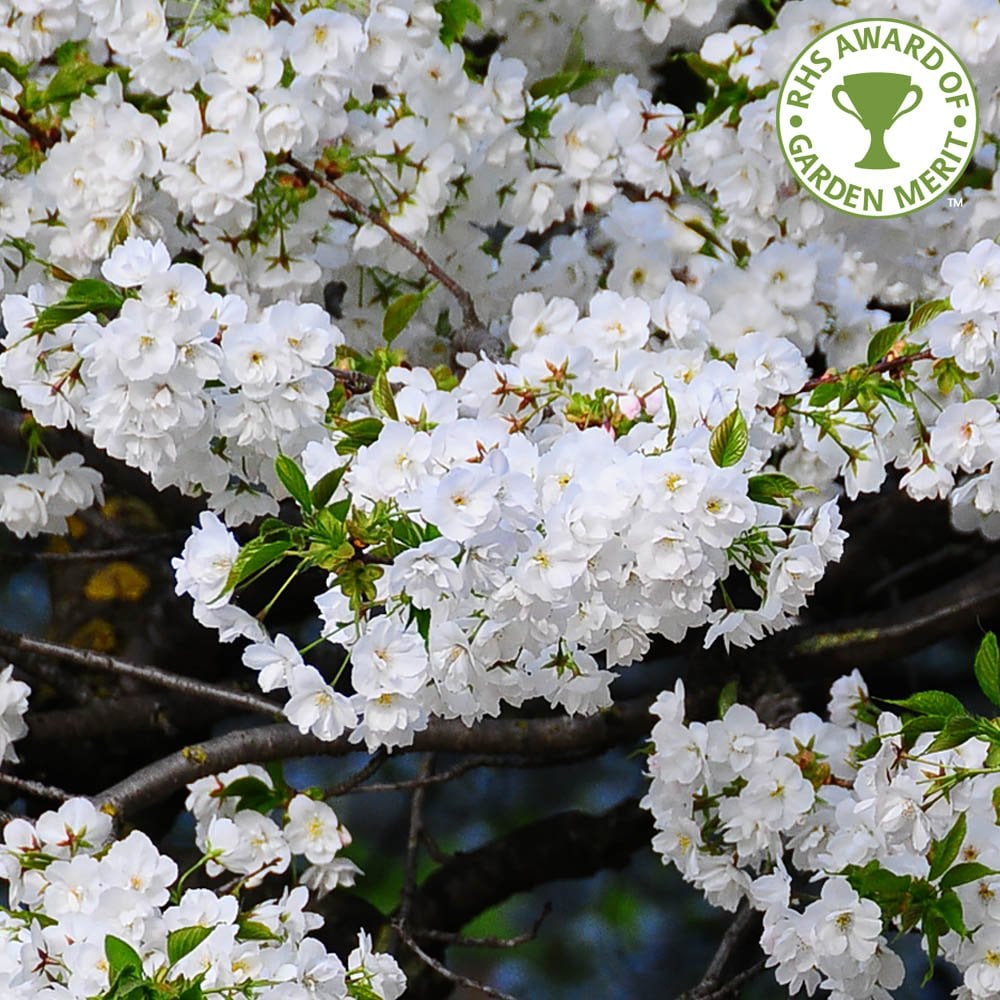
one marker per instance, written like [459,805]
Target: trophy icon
[878,100]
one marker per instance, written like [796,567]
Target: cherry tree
[474,380]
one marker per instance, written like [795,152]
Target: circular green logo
[877,118]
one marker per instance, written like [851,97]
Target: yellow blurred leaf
[97,635]
[118,581]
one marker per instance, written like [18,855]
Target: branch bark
[553,737]
[873,639]
[148,675]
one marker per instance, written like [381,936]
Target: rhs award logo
[877,117]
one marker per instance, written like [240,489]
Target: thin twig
[124,551]
[727,989]
[734,937]
[443,970]
[413,840]
[45,138]
[890,365]
[475,336]
[449,938]
[362,774]
[148,675]
[433,779]
[34,788]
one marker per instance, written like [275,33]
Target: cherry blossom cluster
[88,915]
[840,832]
[239,243]
[249,843]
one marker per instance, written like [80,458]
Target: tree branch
[738,933]
[620,724]
[442,970]
[148,675]
[571,844]
[889,634]
[474,336]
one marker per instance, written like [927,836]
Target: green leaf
[401,311]
[252,794]
[944,851]
[254,930]
[184,940]
[565,81]
[868,749]
[358,433]
[382,397]
[949,908]
[967,871]
[85,296]
[924,313]
[729,440]
[958,729]
[987,667]
[880,345]
[455,14]
[255,556]
[888,389]
[727,697]
[293,479]
[16,70]
[930,703]
[121,956]
[76,74]
[825,392]
[769,487]
[327,486]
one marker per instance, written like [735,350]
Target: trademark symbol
[956,202]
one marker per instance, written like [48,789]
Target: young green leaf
[944,851]
[184,940]
[727,697]
[382,397]
[769,487]
[253,930]
[293,479]
[930,703]
[881,343]
[87,295]
[967,871]
[455,14]
[121,956]
[825,392]
[987,667]
[924,313]
[957,730]
[327,486]
[255,556]
[401,311]
[729,440]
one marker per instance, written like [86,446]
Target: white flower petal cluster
[72,889]
[13,706]
[251,844]
[756,814]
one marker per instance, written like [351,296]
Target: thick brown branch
[571,844]
[889,634]
[555,737]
